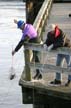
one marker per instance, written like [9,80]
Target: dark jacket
[26,39]
[57,38]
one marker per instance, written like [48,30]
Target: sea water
[10,91]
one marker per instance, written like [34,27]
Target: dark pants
[35,53]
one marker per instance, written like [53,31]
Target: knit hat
[53,26]
[20,23]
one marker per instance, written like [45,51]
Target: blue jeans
[60,62]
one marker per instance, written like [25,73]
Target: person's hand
[13,52]
[15,21]
[45,46]
[50,47]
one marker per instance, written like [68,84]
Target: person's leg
[38,75]
[59,62]
[68,60]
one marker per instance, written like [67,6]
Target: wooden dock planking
[59,15]
[43,87]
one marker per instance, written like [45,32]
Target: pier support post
[32,9]
[27,69]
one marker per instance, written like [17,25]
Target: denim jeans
[60,62]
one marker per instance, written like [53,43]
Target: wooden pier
[41,93]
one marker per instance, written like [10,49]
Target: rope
[12,57]
[12,70]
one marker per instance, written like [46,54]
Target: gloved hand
[15,21]
[13,52]
[50,47]
[45,46]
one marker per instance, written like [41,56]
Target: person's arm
[48,44]
[19,45]
[48,39]
[57,44]
[26,39]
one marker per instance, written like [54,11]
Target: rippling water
[10,91]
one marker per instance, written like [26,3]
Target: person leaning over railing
[57,38]
[29,34]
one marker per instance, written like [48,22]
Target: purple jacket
[30,31]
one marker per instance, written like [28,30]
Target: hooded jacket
[58,38]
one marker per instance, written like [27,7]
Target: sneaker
[70,15]
[68,83]
[35,76]
[55,82]
[39,76]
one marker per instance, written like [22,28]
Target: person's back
[30,31]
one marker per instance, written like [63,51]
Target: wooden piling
[32,9]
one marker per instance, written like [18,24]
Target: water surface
[10,91]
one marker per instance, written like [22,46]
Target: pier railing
[44,66]
[42,16]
